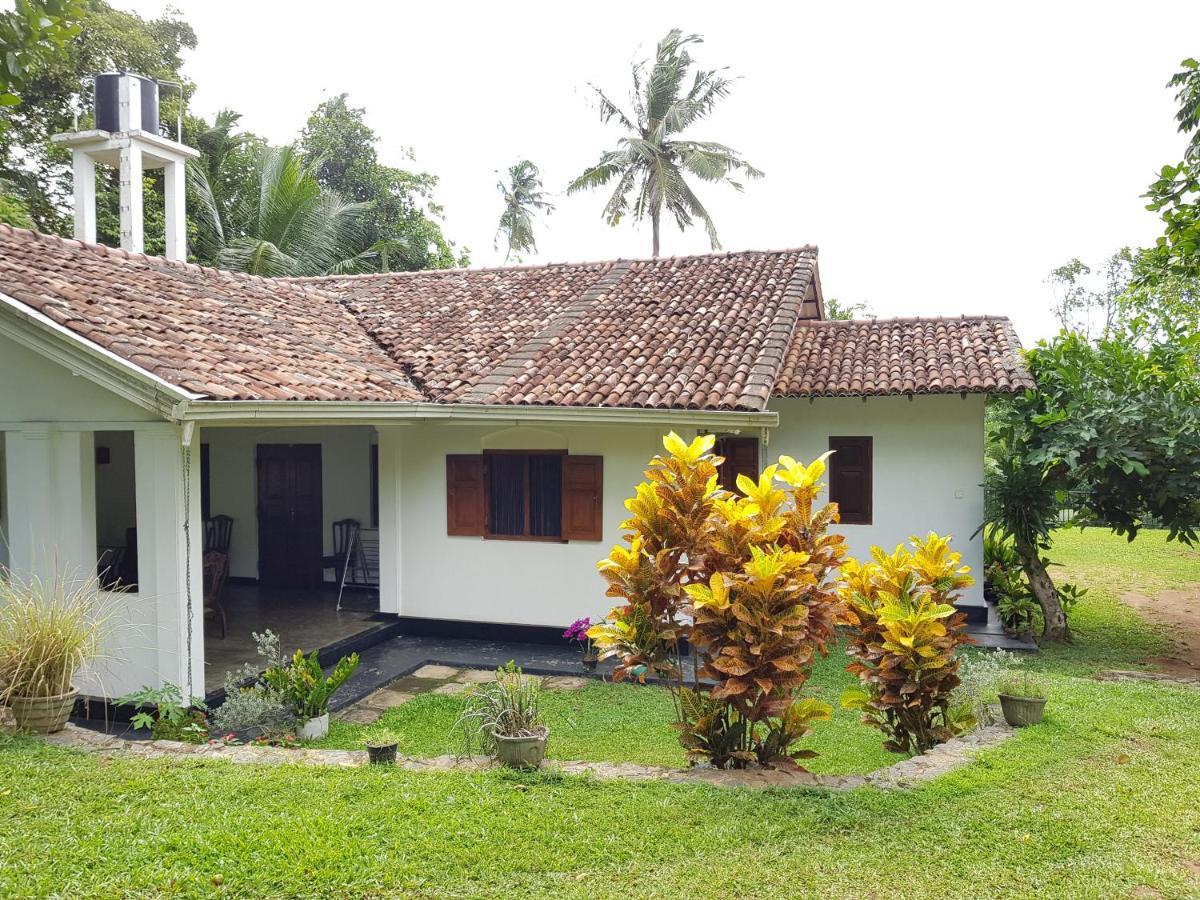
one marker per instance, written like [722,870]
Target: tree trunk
[1055,626]
[654,228]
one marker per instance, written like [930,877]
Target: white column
[390,517]
[30,481]
[170,580]
[51,501]
[85,196]
[132,231]
[175,193]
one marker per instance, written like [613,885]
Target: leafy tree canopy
[30,34]
[838,309]
[401,220]
[58,90]
[1175,195]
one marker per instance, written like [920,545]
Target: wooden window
[465,507]
[741,458]
[850,478]
[583,498]
[525,495]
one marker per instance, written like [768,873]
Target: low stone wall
[939,761]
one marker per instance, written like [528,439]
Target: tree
[400,218]
[32,33]
[1176,193]
[651,163]
[1083,309]
[836,310]
[1115,422]
[523,199]
[58,91]
[289,225]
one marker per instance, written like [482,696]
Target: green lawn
[625,723]
[1103,800]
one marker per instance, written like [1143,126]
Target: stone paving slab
[1138,675]
[945,758]
[476,676]
[450,687]
[435,672]
[565,682]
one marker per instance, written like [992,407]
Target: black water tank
[108,102]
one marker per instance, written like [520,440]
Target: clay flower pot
[521,752]
[43,715]
[1022,711]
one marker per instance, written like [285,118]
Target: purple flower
[577,630]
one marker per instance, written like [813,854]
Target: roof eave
[41,334]
[299,412]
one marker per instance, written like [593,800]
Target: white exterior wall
[233,480]
[927,466]
[518,582]
[48,419]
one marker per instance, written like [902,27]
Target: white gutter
[38,332]
[217,412]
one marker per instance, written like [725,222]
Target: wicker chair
[216,568]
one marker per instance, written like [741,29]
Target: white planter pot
[314,729]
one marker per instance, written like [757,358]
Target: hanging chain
[187,557]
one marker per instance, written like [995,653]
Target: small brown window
[741,458]
[525,495]
[850,478]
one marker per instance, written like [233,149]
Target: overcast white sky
[943,156]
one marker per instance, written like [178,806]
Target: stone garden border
[945,758]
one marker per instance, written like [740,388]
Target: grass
[1102,800]
[623,723]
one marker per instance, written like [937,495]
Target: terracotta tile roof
[214,333]
[870,357]
[720,331]
[689,332]
[453,327]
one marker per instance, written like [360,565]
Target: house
[484,426]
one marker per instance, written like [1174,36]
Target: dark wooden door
[290,540]
[741,458]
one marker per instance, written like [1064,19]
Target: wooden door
[290,537]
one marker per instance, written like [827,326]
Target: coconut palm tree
[651,163]
[289,225]
[523,199]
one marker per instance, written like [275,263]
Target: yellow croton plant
[747,579]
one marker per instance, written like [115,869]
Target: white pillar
[85,196]
[132,225]
[175,193]
[51,501]
[30,481]
[390,518]
[170,580]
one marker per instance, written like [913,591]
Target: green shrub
[173,719]
[904,635]
[303,686]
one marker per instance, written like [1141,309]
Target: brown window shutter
[741,458]
[583,498]
[850,478]
[464,495]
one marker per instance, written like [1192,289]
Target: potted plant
[49,630]
[304,687]
[503,719]
[1023,700]
[381,744]
[172,719]
[577,631]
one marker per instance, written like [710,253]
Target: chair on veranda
[216,568]
[344,533]
[218,534]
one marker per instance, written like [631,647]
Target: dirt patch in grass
[1178,611]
